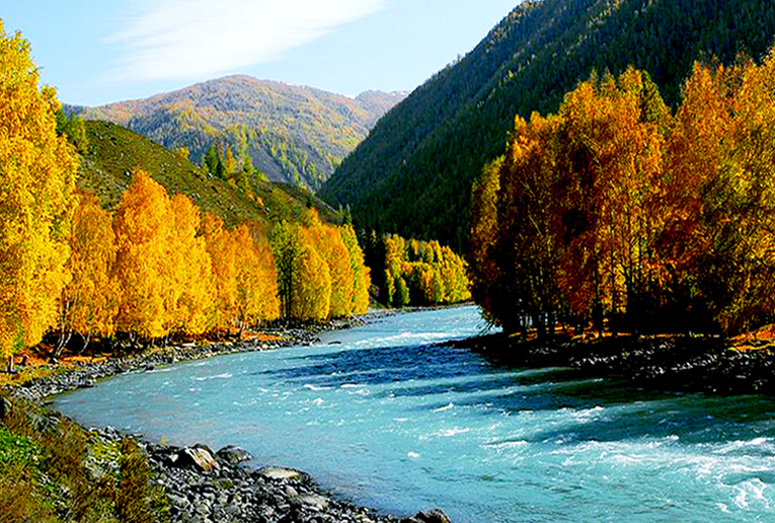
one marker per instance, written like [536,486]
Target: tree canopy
[615,212]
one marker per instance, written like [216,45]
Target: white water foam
[315,388]
[223,376]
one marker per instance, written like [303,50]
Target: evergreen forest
[413,174]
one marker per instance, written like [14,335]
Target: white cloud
[187,39]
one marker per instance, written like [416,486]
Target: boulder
[435,515]
[195,458]
[280,473]
[233,455]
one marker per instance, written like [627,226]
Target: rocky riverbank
[206,486]
[85,373]
[676,363]
[200,485]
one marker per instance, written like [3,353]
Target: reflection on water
[388,419]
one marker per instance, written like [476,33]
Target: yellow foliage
[361,276]
[191,271]
[143,226]
[256,278]
[223,254]
[90,300]
[37,174]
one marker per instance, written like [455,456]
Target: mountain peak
[293,134]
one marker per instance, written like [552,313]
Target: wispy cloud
[188,39]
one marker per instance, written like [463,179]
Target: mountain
[414,172]
[293,134]
[113,151]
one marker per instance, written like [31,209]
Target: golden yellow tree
[90,300]
[190,270]
[361,273]
[256,279]
[37,176]
[312,290]
[223,254]
[329,245]
[143,227]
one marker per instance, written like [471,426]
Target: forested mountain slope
[113,152]
[413,174]
[292,134]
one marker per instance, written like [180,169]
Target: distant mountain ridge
[414,172]
[293,134]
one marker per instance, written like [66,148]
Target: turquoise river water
[382,417]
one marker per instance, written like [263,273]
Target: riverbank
[670,363]
[197,484]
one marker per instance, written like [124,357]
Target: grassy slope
[114,151]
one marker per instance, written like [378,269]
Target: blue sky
[96,52]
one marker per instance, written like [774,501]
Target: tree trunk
[11,368]
[86,340]
[64,339]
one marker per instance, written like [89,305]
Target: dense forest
[620,214]
[414,173]
[414,273]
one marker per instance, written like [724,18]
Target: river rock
[315,502]
[233,455]
[280,473]
[197,458]
[435,515]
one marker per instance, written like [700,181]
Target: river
[381,416]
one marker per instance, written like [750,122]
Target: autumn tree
[223,255]
[257,298]
[361,273]
[327,241]
[89,301]
[190,271]
[721,158]
[312,291]
[303,277]
[143,227]
[37,176]
[482,268]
